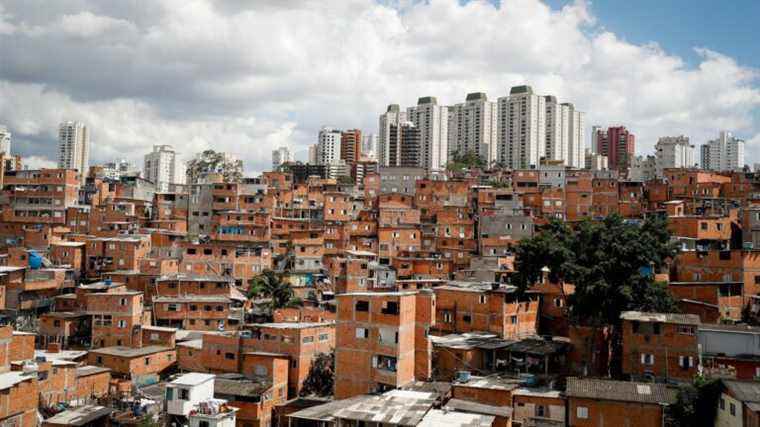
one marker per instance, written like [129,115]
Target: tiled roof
[623,391]
[746,391]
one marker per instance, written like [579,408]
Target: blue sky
[729,27]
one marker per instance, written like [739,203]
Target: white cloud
[248,77]
[36,162]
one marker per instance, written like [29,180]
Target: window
[307,340]
[732,409]
[390,307]
[123,301]
[229,356]
[656,328]
[635,326]
[540,411]
[362,333]
[685,330]
[513,319]
[647,359]
[722,404]
[467,318]
[685,362]
[323,337]
[362,305]
[147,361]
[482,299]
[581,412]
[447,316]
[122,324]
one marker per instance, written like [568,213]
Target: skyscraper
[726,153]
[369,146]
[385,143]
[618,144]
[577,137]
[5,140]
[472,127]
[74,147]
[432,120]
[351,145]
[673,152]
[163,167]
[328,146]
[312,160]
[521,128]
[279,156]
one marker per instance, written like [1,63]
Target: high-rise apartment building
[521,128]
[312,160]
[726,153]
[565,133]
[328,146]
[351,145]
[673,152]
[5,140]
[432,121]
[386,144]
[618,144]
[472,127]
[163,167]
[74,147]
[595,161]
[279,156]
[369,146]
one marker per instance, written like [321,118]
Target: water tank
[107,281]
[463,376]
[29,367]
[35,261]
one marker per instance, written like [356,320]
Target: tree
[696,405]
[468,160]
[321,378]
[611,263]
[279,294]
[211,161]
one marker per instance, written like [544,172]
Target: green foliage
[211,161]
[696,405]
[604,261]
[269,285]
[468,160]
[321,378]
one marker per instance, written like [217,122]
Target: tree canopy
[270,285]
[610,262]
[468,160]
[211,161]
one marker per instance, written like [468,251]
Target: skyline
[136,79]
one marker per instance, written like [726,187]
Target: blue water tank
[35,261]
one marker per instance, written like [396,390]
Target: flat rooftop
[121,351]
[79,416]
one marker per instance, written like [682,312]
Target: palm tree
[270,285]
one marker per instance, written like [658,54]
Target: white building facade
[432,121]
[74,147]
[279,156]
[726,153]
[673,152]
[521,128]
[163,167]
[5,140]
[328,146]
[472,127]
[386,141]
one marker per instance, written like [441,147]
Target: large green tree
[610,262]
[211,161]
[271,287]
[321,378]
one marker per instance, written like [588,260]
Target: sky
[247,77]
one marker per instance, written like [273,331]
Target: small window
[307,340]
[482,299]
[732,409]
[362,333]
[229,356]
[581,412]
[147,361]
[466,318]
[362,305]
[656,328]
